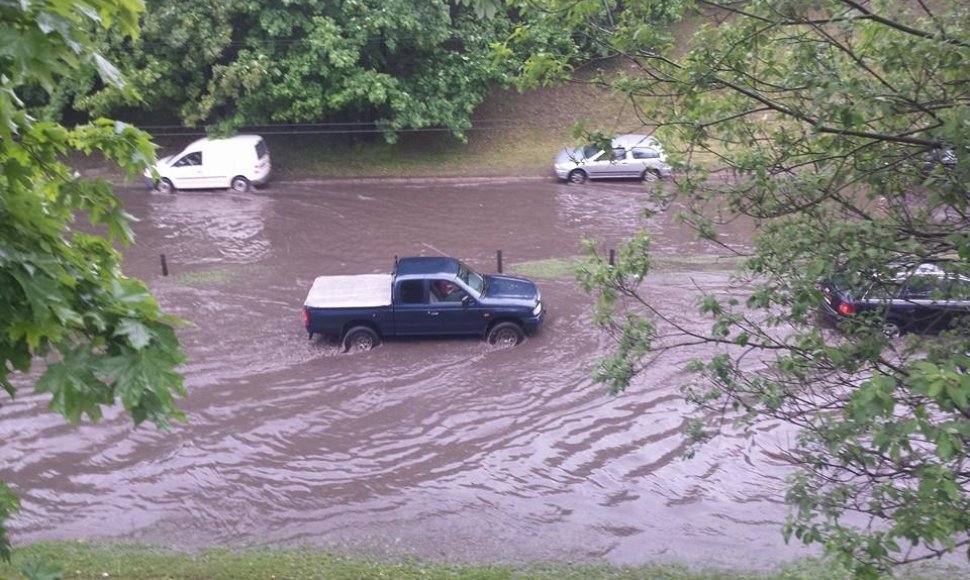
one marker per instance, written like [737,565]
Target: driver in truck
[446,291]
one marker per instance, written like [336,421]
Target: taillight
[306,319]
[846,308]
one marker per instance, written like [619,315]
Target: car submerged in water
[631,157]
[925,298]
[422,296]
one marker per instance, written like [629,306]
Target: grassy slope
[515,133]
[82,560]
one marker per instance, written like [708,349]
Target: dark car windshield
[471,278]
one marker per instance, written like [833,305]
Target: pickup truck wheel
[505,335]
[360,338]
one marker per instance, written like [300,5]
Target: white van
[237,163]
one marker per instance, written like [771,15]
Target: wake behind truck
[422,296]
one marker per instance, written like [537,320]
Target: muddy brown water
[430,448]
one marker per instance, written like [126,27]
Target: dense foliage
[100,335]
[842,129]
[400,64]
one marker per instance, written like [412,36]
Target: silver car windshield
[471,278]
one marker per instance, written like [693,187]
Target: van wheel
[165,186]
[360,338]
[650,175]
[505,335]
[240,184]
[577,176]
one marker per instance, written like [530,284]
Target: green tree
[824,119]
[403,64]
[99,335]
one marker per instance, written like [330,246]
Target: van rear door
[263,166]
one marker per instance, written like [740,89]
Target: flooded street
[433,448]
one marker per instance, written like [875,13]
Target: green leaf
[137,333]
[958,394]
[38,570]
[9,505]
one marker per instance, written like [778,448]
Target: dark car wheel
[165,186]
[577,176]
[240,184]
[505,335]
[892,328]
[650,175]
[360,338]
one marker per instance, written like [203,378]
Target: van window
[261,149]
[194,158]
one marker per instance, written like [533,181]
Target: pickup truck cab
[423,296]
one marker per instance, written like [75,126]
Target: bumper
[261,180]
[532,324]
[829,316]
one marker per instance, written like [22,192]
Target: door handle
[433,312]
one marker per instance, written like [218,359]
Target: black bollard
[498,259]
[612,257]
[164,266]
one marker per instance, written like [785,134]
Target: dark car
[919,299]
[945,159]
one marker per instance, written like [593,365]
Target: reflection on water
[435,448]
[209,227]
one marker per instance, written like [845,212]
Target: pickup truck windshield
[471,278]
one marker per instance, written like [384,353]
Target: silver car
[632,157]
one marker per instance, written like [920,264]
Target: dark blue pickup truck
[422,296]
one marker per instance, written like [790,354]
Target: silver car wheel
[577,176]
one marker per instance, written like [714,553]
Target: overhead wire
[348,128]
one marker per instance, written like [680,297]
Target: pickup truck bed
[357,291]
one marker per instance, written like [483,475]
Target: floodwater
[430,448]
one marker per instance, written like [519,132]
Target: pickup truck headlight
[537,309]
